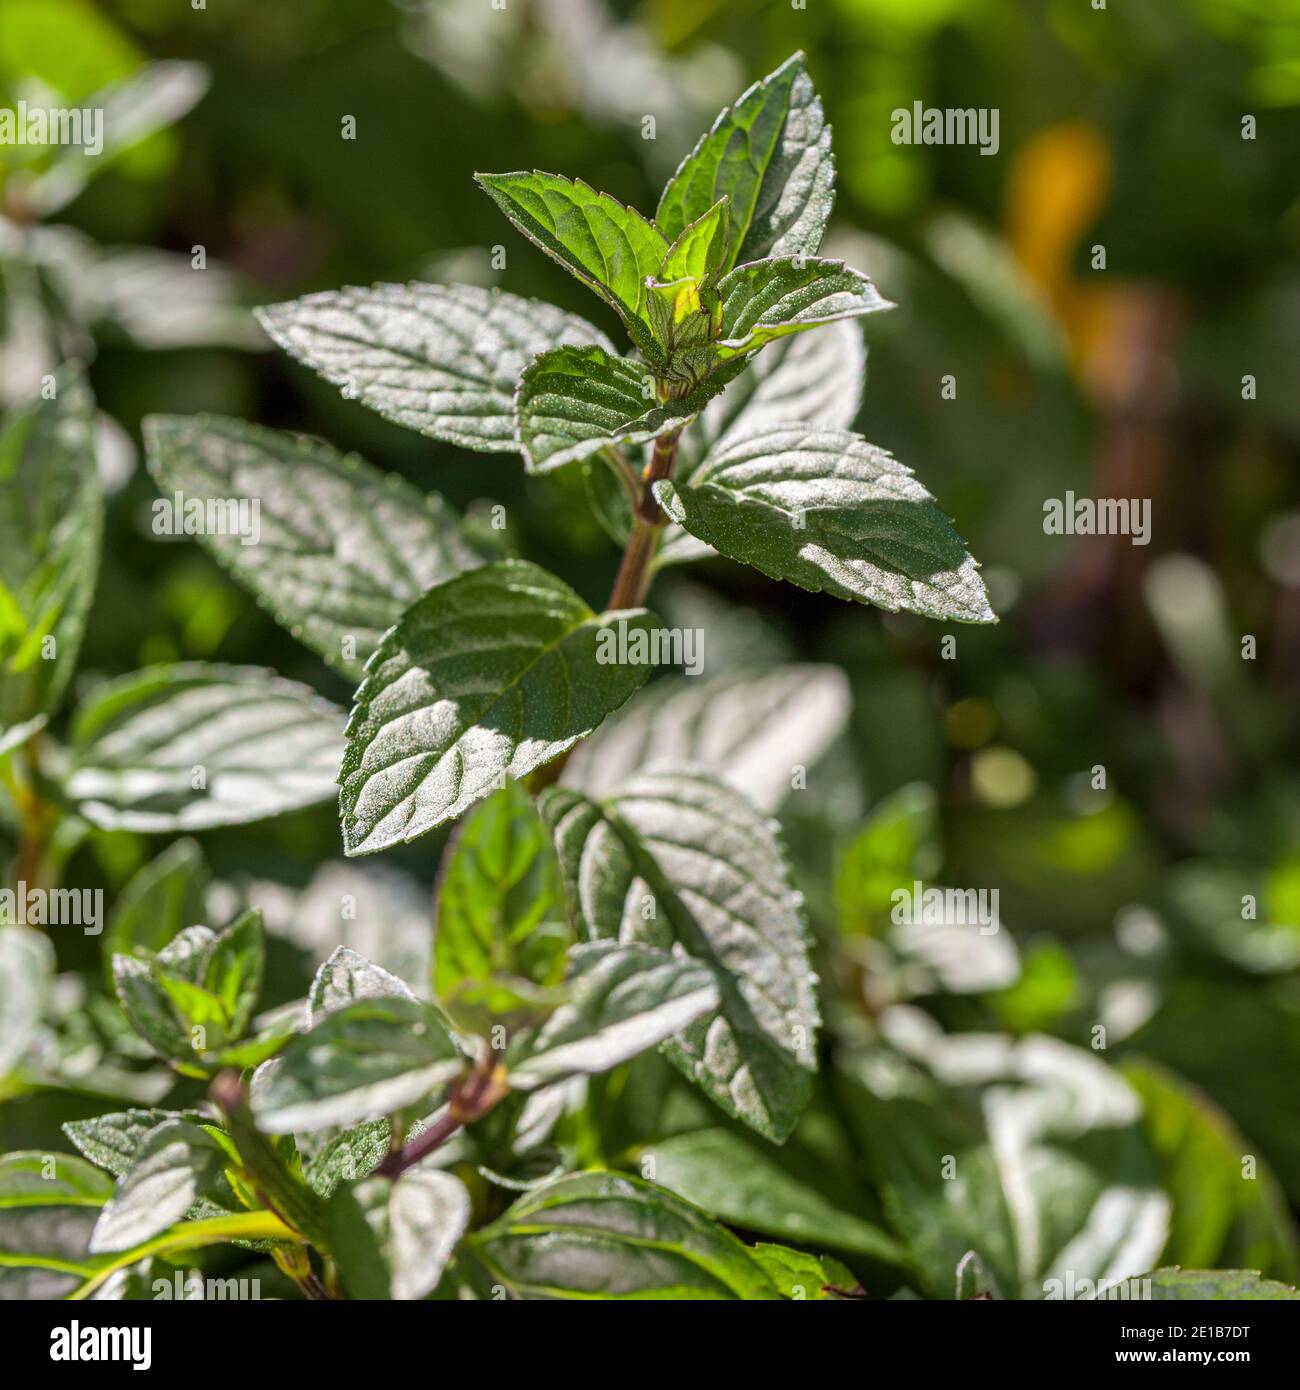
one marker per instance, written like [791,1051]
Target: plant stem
[632,582]
[471,1099]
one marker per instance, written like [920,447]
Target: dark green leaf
[830,512]
[340,550]
[576,401]
[610,248]
[440,359]
[490,675]
[606,1236]
[500,907]
[113,1141]
[770,153]
[772,299]
[51,520]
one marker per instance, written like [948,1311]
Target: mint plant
[458,1136]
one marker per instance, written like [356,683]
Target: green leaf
[1215,1285]
[150,1011]
[192,746]
[500,909]
[606,1236]
[825,510]
[339,550]
[365,1060]
[231,970]
[1029,1153]
[176,1164]
[622,1001]
[26,972]
[772,299]
[439,359]
[612,249]
[574,402]
[750,728]
[1221,1215]
[49,1204]
[494,673]
[898,844]
[113,1141]
[770,154]
[346,977]
[775,1192]
[159,901]
[802,1277]
[699,252]
[396,1238]
[674,857]
[51,522]
[354,1154]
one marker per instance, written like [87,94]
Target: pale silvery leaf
[26,969]
[749,728]
[439,359]
[428,1212]
[609,1236]
[676,858]
[175,1165]
[192,746]
[824,509]
[365,1060]
[770,153]
[622,1001]
[346,977]
[113,1141]
[333,549]
[494,673]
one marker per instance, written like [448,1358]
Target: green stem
[193,1235]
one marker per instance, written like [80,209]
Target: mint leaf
[576,401]
[770,154]
[699,251]
[113,1141]
[622,1001]
[340,550]
[395,1239]
[346,977]
[354,1154]
[192,746]
[26,973]
[163,898]
[231,971]
[803,1277]
[51,522]
[149,1009]
[830,512]
[176,1164]
[777,1192]
[674,857]
[612,249]
[751,729]
[492,674]
[440,359]
[607,1236]
[771,299]
[49,1204]
[500,909]
[358,1063]
[1215,1285]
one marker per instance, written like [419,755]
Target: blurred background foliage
[1105,757]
